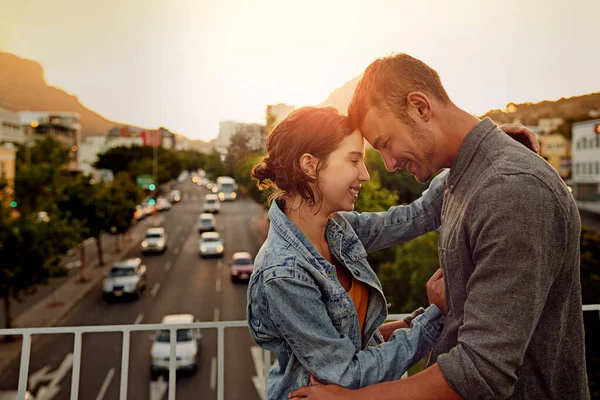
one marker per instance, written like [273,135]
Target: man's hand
[522,135]
[317,390]
[436,291]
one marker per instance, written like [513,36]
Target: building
[7,168]
[63,126]
[11,129]
[89,149]
[277,113]
[556,149]
[129,135]
[549,125]
[586,160]
[254,131]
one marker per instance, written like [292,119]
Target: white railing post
[24,369]
[76,366]
[266,366]
[172,362]
[124,365]
[220,363]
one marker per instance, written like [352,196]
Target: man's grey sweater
[509,248]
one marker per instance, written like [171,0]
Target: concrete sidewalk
[50,310]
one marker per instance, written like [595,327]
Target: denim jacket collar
[282,226]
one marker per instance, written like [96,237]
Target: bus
[226,188]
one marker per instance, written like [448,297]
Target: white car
[155,241]
[162,204]
[207,223]
[186,349]
[211,203]
[211,244]
[125,278]
[174,196]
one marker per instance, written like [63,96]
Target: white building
[277,113]
[11,129]
[549,125]
[63,126]
[227,129]
[585,162]
[89,149]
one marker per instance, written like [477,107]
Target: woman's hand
[522,135]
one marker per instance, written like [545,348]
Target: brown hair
[313,130]
[387,82]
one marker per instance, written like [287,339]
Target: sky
[186,64]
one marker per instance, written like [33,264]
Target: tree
[123,196]
[31,249]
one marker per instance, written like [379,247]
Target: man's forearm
[426,385]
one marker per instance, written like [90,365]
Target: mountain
[577,108]
[340,97]
[23,87]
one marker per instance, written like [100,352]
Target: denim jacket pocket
[341,311]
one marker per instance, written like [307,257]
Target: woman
[313,299]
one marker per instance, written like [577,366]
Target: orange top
[359,293]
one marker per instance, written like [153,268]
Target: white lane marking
[105,384]
[218,285]
[155,289]
[217,314]
[139,319]
[258,380]
[168,265]
[176,251]
[213,373]
[158,388]
[220,264]
[52,388]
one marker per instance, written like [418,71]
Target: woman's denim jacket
[298,309]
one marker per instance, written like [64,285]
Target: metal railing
[127,329]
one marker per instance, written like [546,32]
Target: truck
[226,188]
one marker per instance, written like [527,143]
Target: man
[508,246]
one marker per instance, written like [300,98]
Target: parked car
[211,244]
[212,204]
[186,349]
[125,278]
[242,266]
[139,213]
[155,241]
[162,204]
[174,196]
[207,223]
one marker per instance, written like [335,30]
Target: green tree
[122,196]
[31,249]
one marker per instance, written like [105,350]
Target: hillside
[577,107]
[23,87]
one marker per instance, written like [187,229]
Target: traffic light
[152,186]
[152,201]
[13,204]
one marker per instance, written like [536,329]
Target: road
[179,281]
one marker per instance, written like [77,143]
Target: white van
[186,349]
[212,204]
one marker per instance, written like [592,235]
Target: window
[597,167]
[591,170]
[577,167]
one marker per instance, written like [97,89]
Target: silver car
[125,278]
[211,244]
[155,241]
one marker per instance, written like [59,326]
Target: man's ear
[419,106]
[308,163]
